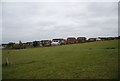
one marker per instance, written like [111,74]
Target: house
[4,45]
[45,42]
[104,38]
[29,43]
[71,40]
[112,38]
[91,39]
[58,42]
[81,39]
[1,47]
[39,43]
[98,39]
[107,38]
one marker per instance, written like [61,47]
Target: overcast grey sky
[36,21]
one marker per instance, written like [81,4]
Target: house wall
[70,41]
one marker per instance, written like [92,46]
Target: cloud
[36,21]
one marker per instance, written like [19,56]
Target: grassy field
[93,60]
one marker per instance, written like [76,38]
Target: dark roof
[57,39]
[106,37]
[28,42]
[71,38]
[92,38]
[81,37]
[4,44]
[45,40]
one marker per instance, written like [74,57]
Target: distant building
[4,45]
[81,39]
[45,42]
[71,40]
[29,43]
[108,38]
[58,42]
[98,39]
[91,39]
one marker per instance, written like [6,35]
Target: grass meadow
[92,60]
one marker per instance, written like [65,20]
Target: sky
[29,21]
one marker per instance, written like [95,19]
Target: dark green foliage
[118,37]
[10,45]
[16,46]
[35,43]
[20,42]
[22,46]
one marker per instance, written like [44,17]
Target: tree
[10,45]
[21,45]
[35,43]
[20,42]
[118,37]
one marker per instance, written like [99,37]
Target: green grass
[93,60]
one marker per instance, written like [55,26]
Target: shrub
[16,46]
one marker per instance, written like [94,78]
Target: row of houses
[61,41]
